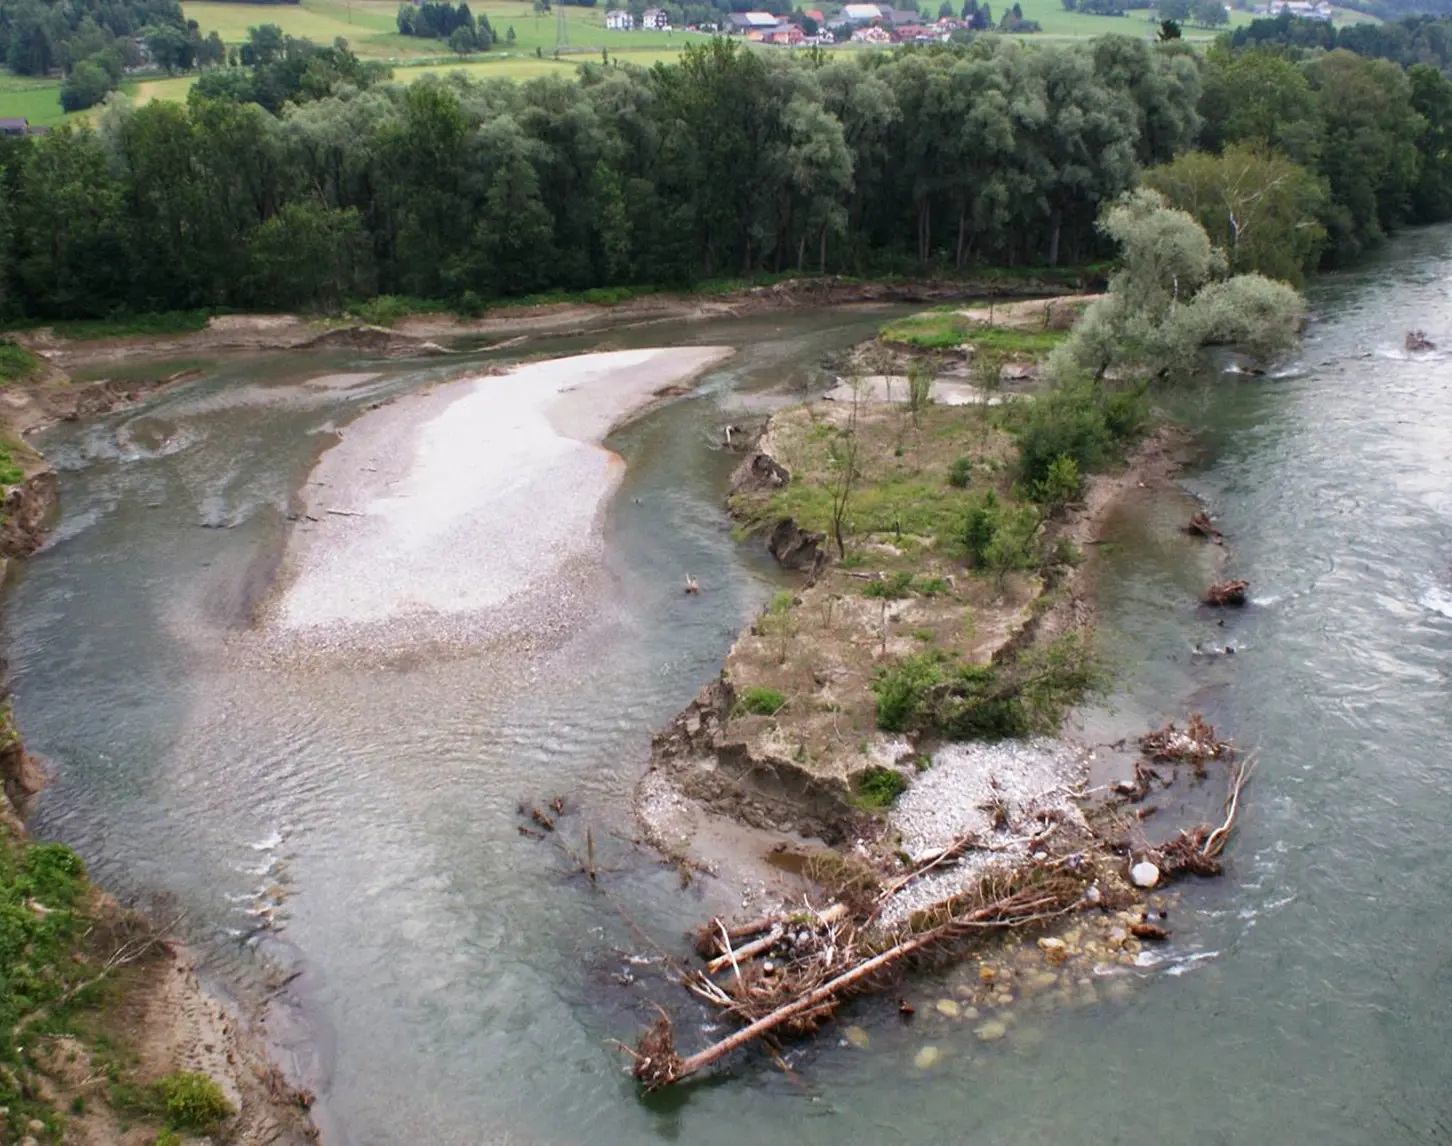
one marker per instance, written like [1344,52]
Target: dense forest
[338,185]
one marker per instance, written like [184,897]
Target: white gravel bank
[954,798]
[457,499]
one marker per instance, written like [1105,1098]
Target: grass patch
[948,330]
[16,363]
[129,325]
[386,309]
[879,788]
[760,701]
[36,967]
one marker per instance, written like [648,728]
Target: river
[459,981]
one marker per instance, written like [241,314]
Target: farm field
[369,27]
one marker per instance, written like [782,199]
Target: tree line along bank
[309,180]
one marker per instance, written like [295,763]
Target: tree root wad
[1200,526]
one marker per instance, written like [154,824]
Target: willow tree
[1263,210]
[1170,298]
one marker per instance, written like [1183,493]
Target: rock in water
[950,1008]
[1055,950]
[856,1037]
[992,1030]
[1144,874]
[927,1058]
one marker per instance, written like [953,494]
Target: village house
[655,20]
[873,35]
[744,23]
[619,20]
[1304,9]
[861,13]
[10,125]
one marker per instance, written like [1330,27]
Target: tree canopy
[730,162]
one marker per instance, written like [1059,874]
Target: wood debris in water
[1195,744]
[1227,594]
[1200,526]
[787,974]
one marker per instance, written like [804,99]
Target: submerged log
[1227,593]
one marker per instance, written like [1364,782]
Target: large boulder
[795,547]
[759,473]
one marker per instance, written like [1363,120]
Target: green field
[38,100]
[369,27]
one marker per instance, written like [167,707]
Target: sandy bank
[435,511]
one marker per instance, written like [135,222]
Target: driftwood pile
[794,977]
[1196,744]
[785,975]
[1227,593]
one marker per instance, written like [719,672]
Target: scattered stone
[1148,930]
[927,1058]
[1116,939]
[856,1037]
[1039,981]
[35,1126]
[992,1030]
[1144,874]
[949,1008]
[1055,950]
[987,973]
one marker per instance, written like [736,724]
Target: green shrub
[1079,421]
[760,701]
[1026,694]
[167,1137]
[960,473]
[977,707]
[53,874]
[902,690]
[1061,484]
[880,787]
[193,1102]
[930,586]
[892,588]
[471,304]
[979,525]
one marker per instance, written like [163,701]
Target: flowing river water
[458,982]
